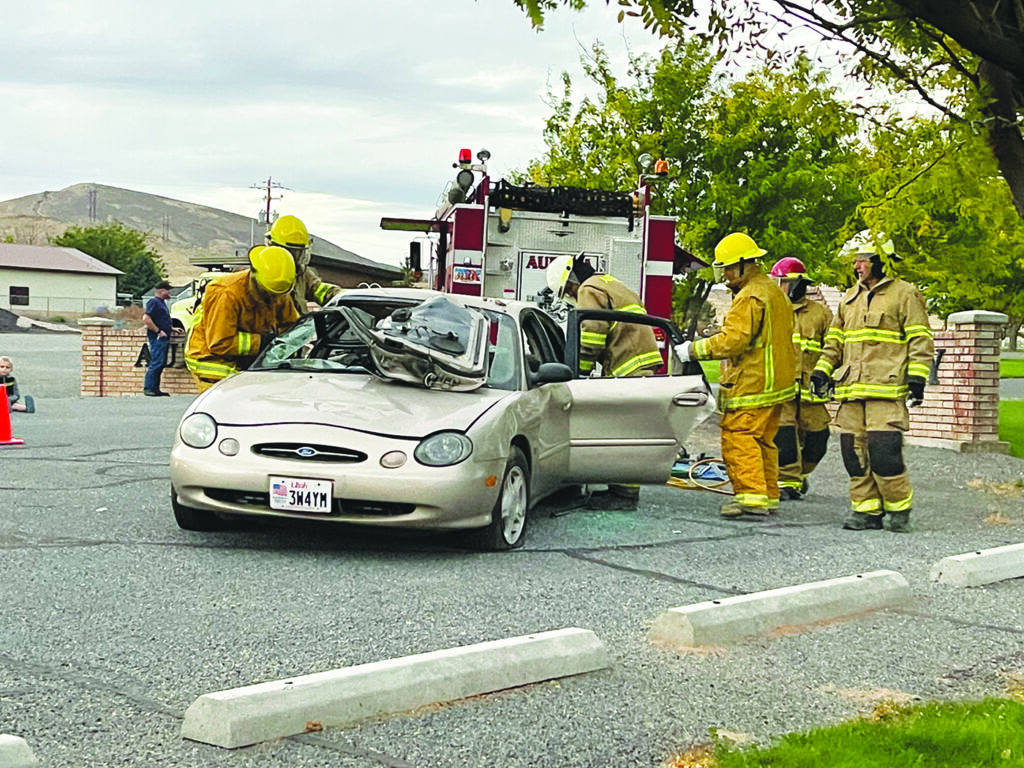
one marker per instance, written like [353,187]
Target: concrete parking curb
[715,622]
[15,752]
[974,569]
[255,713]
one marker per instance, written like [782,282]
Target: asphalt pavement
[114,620]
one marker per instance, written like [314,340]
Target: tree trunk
[1004,133]
[1012,329]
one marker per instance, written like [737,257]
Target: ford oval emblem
[306,452]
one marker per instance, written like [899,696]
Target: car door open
[630,429]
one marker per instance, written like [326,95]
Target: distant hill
[181,231]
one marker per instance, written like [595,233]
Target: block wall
[109,359]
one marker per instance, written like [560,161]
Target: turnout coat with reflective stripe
[879,337]
[622,349]
[811,322]
[226,336]
[756,341]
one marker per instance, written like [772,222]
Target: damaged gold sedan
[415,409]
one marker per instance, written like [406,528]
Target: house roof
[50,258]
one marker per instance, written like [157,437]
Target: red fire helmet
[788,267]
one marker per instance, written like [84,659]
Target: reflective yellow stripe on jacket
[812,320]
[756,341]
[880,338]
[623,349]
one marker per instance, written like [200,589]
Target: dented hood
[353,401]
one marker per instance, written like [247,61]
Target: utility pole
[91,196]
[267,187]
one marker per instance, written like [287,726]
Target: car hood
[353,401]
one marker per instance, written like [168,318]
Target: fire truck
[496,239]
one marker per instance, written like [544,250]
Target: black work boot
[859,521]
[899,522]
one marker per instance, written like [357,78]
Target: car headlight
[199,430]
[443,449]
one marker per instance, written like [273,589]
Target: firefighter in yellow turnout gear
[878,353]
[802,438]
[759,374]
[622,349]
[239,313]
[290,233]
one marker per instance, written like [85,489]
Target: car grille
[338,506]
[309,452]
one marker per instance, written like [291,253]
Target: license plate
[296,494]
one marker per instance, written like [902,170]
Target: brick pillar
[961,412]
[94,331]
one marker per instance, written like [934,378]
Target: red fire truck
[497,239]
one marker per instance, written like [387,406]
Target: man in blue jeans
[157,320]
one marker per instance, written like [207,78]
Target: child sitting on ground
[13,396]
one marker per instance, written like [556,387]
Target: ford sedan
[414,409]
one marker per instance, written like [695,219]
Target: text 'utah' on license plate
[299,494]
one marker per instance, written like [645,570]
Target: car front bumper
[409,496]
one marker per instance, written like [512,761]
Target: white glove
[684,351]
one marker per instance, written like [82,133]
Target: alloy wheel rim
[513,506]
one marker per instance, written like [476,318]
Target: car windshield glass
[324,341]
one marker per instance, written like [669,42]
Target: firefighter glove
[684,351]
[915,394]
[266,339]
[819,383]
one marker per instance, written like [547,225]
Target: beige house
[42,282]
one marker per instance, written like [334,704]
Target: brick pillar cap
[95,321]
[975,316]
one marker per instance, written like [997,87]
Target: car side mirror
[549,373]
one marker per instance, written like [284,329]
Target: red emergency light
[465,156]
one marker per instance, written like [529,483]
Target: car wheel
[192,519]
[509,515]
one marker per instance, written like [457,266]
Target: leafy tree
[963,57]
[773,155]
[142,275]
[121,247]
[936,188]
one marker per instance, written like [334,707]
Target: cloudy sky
[358,109]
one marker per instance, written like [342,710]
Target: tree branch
[831,30]
[892,195]
[996,38]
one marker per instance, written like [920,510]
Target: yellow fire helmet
[288,232]
[272,267]
[732,249]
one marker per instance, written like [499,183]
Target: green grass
[1011,425]
[936,735]
[1011,368]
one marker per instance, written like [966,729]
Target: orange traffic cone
[5,421]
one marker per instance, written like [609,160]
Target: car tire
[509,515]
[192,519]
